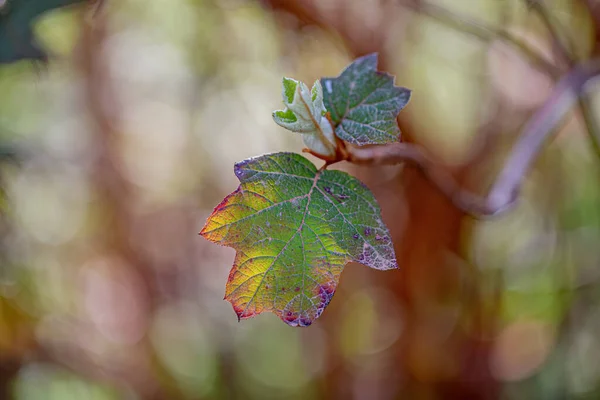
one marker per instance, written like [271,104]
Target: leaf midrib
[309,194]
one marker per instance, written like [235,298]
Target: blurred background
[115,150]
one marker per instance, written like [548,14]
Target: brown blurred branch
[358,42]
[115,191]
[98,7]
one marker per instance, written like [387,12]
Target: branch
[396,153]
[504,192]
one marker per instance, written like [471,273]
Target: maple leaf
[294,229]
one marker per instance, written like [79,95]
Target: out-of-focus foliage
[79,317]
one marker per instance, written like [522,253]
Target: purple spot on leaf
[325,295]
[367,231]
[290,318]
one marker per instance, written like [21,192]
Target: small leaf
[364,103]
[294,229]
[305,114]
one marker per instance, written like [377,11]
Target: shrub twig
[505,189]
[486,34]
[591,123]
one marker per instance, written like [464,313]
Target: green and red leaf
[294,229]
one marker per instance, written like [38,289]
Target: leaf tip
[289,90]
[283,117]
[204,231]
[239,170]
[405,94]
[316,91]
[241,311]
[370,61]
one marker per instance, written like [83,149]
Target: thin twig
[539,7]
[485,33]
[98,7]
[591,122]
[538,128]
[396,153]
[583,101]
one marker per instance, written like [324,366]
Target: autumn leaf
[295,228]
[364,103]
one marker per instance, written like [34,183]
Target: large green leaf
[364,103]
[294,229]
